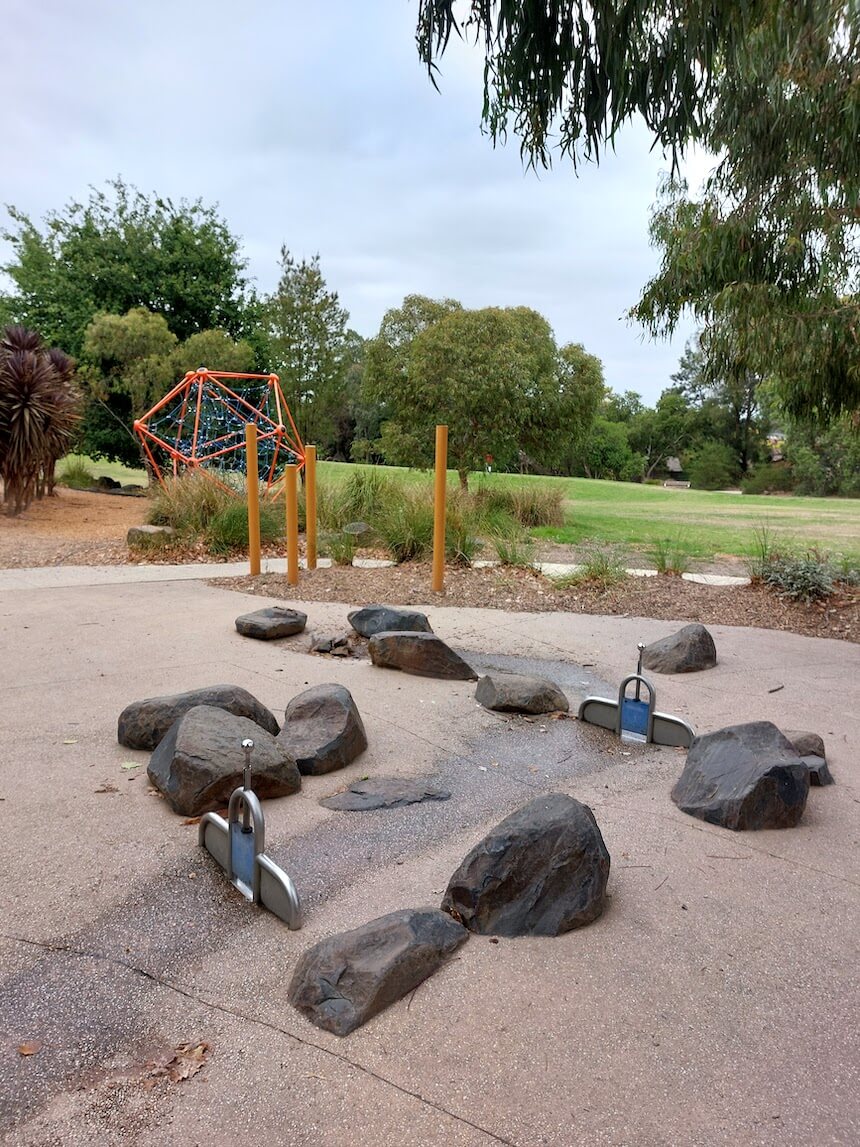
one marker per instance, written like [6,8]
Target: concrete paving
[714,1003]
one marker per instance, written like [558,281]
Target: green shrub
[713,467]
[513,550]
[366,491]
[670,555]
[763,550]
[600,568]
[802,578]
[75,474]
[228,529]
[188,503]
[338,546]
[768,479]
[405,525]
[531,504]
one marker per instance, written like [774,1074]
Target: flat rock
[385,792]
[806,744]
[819,770]
[687,651]
[323,730]
[744,777]
[516,693]
[346,979]
[386,619]
[142,724]
[540,872]
[271,623]
[200,761]
[422,654]
[141,534]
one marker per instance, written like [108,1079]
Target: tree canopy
[120,250]
[766,258]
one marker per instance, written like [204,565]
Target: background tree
[38,412]
[121,250]
[308,345]
[766,259]
[565,421]
[132,360]
[667,431]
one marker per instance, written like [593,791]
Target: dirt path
[71,528]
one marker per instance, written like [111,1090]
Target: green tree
[825,461]
[766,259]
[606,453]
[121,250]
[487,375]
[308,344]
[565,418]
[671,428]
[132,360]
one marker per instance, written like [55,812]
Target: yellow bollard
[292,510]
[311,506]
[439,508]
[253,486]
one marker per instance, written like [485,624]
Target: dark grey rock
[422,654]
[200,761]
[687,651]
[346,979]
[515,693]
[323,730]
[386,619]
[103,482]
[819,770]
[540,872]
[142,724]
[744,777]
[385,792]
[141,535]
[329,643]
[271,623]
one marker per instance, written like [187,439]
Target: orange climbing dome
[200,425]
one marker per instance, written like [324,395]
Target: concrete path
[715,1002]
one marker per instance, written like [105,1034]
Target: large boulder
[385,792]
[143,723]
[386,619]
[744,777]
[687,651]
[517,693]
[346,979]
[200,761]
[271,623]
[323,730]
[422,654]
[540,872]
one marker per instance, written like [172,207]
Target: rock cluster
[142,724]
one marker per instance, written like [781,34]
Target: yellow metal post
[253,484]
[292,508]
[439,508]
[311,506]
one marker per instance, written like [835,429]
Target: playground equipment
[200,425]
[633,719]
[238,843]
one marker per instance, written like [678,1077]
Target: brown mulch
[79,528]
[518,590]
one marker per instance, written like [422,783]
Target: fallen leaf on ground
[192,820]
[107,787]
[30,1047]
[70,741]
[131,765]
[186,1061]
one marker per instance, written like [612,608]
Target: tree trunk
[464,479]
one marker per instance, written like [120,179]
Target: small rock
[385,792]
[329,642]
[272,623]
[540,872]
[689,650]
[323,730]
[103,482]
[517,693]
[386,619]
[142,724]
[346,979]
[141,535]
[200,761]
[744,777]
[807,744]
[422,654]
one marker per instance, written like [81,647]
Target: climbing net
[200,426]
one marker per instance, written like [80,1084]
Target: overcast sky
[315,125]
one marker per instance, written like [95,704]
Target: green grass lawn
[703,524]
[108,470]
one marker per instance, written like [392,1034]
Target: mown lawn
[108,470]
[702,523]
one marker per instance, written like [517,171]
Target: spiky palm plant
[38,412]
